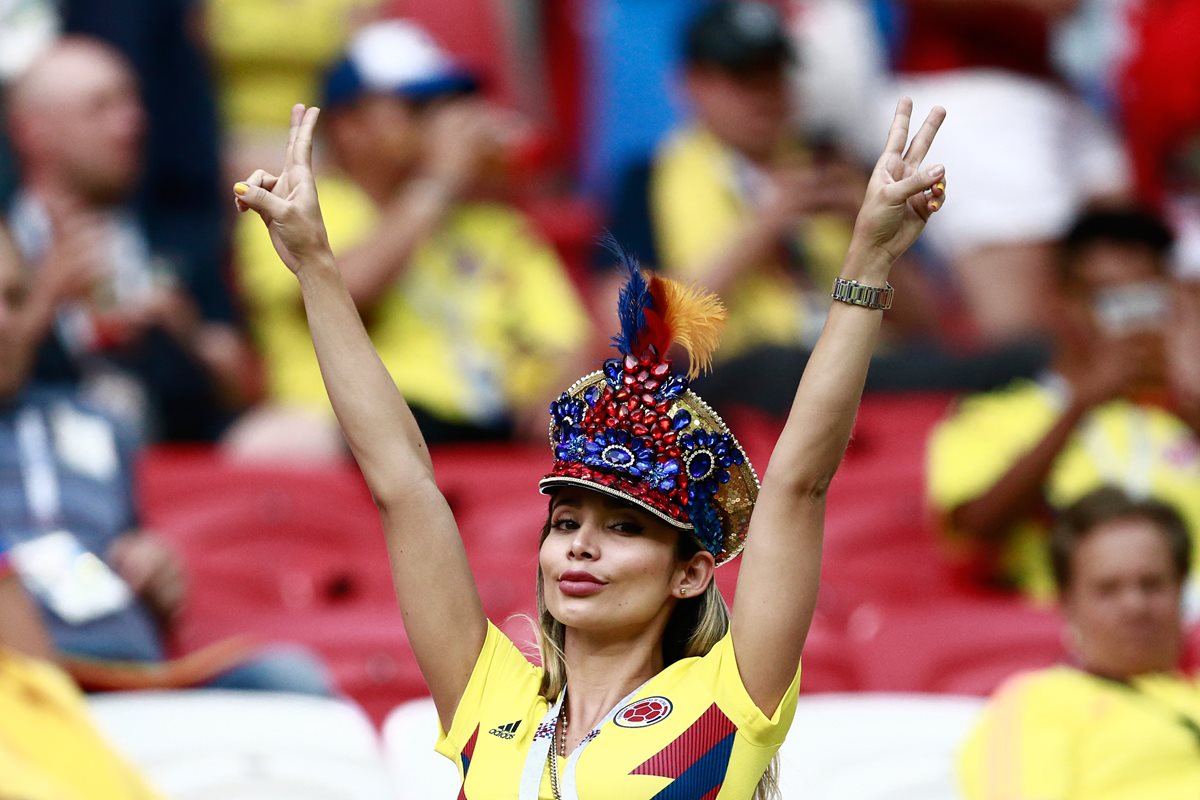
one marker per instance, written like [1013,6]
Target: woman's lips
[579,584]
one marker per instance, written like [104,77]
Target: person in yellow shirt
[737,203]
[1116,408]
[268,53]
[1121,723]
[472,313]
[49,748]
[648,687]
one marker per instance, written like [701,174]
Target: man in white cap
[474,316]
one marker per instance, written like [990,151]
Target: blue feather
[633,300]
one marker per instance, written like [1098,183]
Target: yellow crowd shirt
[1062,734]
[1143,449]
[49,749]
[699,198]
[477,324]
[270,54]
[689,732]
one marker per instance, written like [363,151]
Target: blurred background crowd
[165,439]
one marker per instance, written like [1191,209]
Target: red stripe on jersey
[468,752]
[703,734]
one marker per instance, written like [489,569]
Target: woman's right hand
[288,203]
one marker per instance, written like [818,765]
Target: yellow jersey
[269,54]
[475,326]
[49,749]
[1142,449]
[698,198]
[1062,734]
[689,733]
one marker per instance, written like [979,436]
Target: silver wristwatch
[856,294]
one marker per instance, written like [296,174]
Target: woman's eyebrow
[615,504]
[565,502]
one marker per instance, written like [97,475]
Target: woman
[1122,722]
[644,693]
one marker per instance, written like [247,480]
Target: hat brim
[345,84]
[548,484]
[457,82]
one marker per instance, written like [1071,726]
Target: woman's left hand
[288,203]
[901,196]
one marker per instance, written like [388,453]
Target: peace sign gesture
[287,203]
[901,196]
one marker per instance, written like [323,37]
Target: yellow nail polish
[240,188]
[941,187]
[935,205]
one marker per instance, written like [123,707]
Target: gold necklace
[558,747]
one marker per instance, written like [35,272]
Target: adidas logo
[506,731]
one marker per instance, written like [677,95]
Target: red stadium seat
[951,646]
[366,651]
[897,424]
[826,663]
[175,481]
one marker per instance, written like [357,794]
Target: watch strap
[857,294]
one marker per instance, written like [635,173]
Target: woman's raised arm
[781,565]
[436,592]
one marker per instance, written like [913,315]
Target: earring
[682,591]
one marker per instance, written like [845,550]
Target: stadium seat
[203,745]
[897,423]
[365,649]
[409,734]
[306,556]
[173,481]
[869,560]
[827,666]
[285,555]
[875,746]
[953,645]
[491,479]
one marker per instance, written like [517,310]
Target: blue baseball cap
[399,58]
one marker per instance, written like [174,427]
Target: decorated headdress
[634,430]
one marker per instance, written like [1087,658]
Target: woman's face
[1123,604]
[609,567]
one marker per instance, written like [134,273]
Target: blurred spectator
[180,198]
[26,28]
[738,202]
[1121,406]
[107,589]
[473,315]
[269,55]
[1122,721]
[127,330]
[49,749]
[988,62]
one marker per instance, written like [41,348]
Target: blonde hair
[695,625]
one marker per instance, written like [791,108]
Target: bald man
[154,346]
